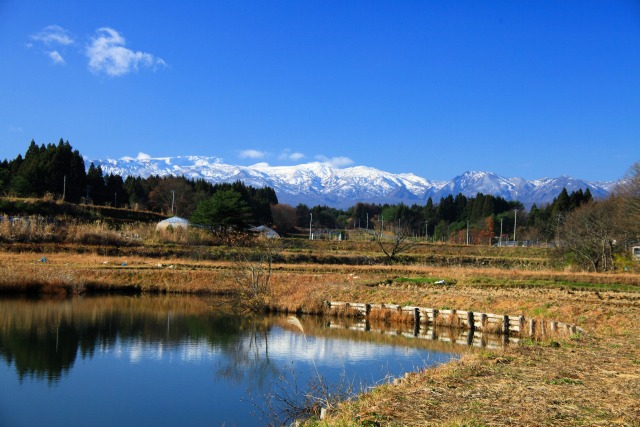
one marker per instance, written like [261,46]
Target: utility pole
[500,238]
[310,223]
[515,220]
[64,188]
[173,199]
[367,220]
[467,232]
[115,200]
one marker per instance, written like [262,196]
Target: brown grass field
[586,379]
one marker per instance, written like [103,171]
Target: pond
[166,361]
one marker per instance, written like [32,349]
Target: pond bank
[579,380]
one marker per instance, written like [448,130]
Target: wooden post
[479,321]
[516,324]
[532,327]
[478,339]
[430,333]
[465,317]
[428,315]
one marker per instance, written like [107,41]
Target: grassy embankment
[592,379]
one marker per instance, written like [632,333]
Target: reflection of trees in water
[43,338]
[248,357]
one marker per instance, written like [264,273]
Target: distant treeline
[59,172]
[443,221]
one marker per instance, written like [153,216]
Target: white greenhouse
[173,222]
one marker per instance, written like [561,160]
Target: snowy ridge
[319,183]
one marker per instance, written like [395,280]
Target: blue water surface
[134,361]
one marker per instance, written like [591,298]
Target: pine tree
[223,211]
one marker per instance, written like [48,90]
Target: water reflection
[44,338]
[174,360]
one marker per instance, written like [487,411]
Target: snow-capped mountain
[321,184]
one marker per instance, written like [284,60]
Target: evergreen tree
[223,211]
[302,215]
[95,190]
[116,195]
[447,209]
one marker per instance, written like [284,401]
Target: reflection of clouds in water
[280,345]
[333,351]
[196,351]
[139,350]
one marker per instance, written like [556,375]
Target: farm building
[265,232]
[173,222]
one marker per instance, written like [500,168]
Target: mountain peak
[319,182]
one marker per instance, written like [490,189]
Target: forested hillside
[58,172]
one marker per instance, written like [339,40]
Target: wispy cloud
[56,57]
[107,54]
[252,154]
[50,36]
[288,155]
[54,35]
[338,162]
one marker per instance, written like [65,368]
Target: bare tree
[628,193]
[590,232]
[396,239]
[284,217]
[252,273]
[173,193]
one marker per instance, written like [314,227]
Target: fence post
[532,327]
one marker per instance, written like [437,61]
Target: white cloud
[261,165]
[337,162]
[107,54]
[288,155]
[53,34]
[56,57]
[141,157]
[252,154]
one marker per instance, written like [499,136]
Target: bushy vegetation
[595,235]
[57,172]
[480,220]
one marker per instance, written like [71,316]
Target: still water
[169,361]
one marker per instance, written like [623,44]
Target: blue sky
[526,89]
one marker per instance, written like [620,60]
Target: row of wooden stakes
[494,323]
[433,333]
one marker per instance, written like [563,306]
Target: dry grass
[587,380]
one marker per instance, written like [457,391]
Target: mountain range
[319,183]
